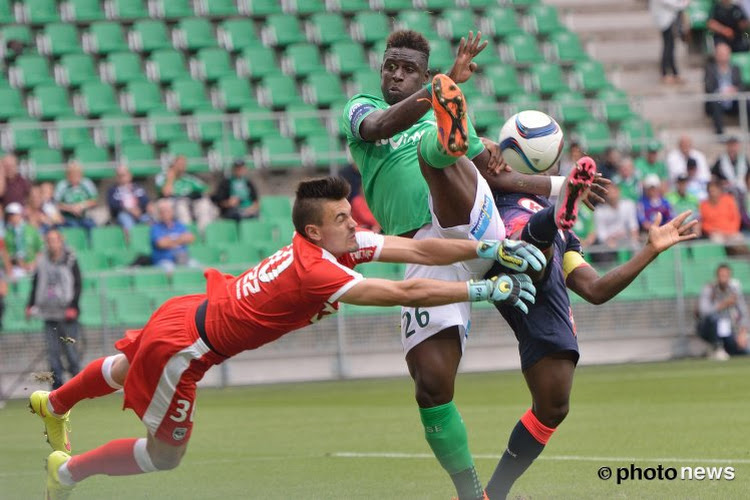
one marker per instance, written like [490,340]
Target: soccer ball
[531,142]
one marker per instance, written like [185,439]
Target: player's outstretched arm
[587,283]
[422,292]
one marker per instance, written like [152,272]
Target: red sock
[89,383]
[121,457]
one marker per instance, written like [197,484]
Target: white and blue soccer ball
[531,142]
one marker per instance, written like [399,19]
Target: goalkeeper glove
[514,255]
[504,289]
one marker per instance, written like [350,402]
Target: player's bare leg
[433,364]
[550,381]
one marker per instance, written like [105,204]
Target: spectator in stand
[584,227]
[668,18]
[6,271]
[41,215]
[75,195]
[616,220]
[732,168]
[24,242]
[695,186]
[188,193]
[628,179]
[681,199]
[651,164]
[49,206]
[362,215]
[236,195]
[575,153]
[723,79]
[608,166]
[729,23]
[54,297]
[169,239]
[652,202]
[723,317]
[14,188]
[720,219]
[128,202]
[677,161]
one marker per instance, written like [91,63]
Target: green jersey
[392,182]
[584,225]
[67,193]
[681,203]
[629,188]
[185,185]
[645,168]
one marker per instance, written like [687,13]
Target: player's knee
[168,460]
[433,392]
[552,415]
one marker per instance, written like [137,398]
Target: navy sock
[522,450]
[541,229]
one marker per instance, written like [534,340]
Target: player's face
[403,73]
[723,276]
[337,231]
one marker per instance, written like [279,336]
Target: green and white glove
[514,255]
[504,289]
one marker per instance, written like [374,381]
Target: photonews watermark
[661,473]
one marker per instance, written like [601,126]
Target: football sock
[92,382]
[432,152]
[541,229]
[446,434]
[121,457]
[525,444]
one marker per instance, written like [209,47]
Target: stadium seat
[82,11]
[104,37]
[71,134]
[571,107]
[150,279]
[261,8]
[116,281]
[217,8]
[277,152]
[328,28]
[501,22]
[75,237]
[6,12]
[12,105]
[503,80]
[544,20]
[522,49]
[188,281]
[205,254]
[91,155]
[96,99]
[139,239]
[301,120]
[170,9]
[255,230]
[47,164]
[212,63]
[194,34]
[369,27]
[524,4]
[277,91]
[282,30]
[484,115]
[140,157]
[366,81]
[50,101]
[590,76]
[257,122]
[116,128]
[742,60]
[192,151]
[23,133]
[454,23]
[132,309]
[615,105]
[257,61]
[547,78]
[30,70]
[322,149]
[301,59]
[227,149]
[40,11]
[20,32]
[275,207]
[92,261]
[397,5]
[346,57]
[148,35]
[188,95]
[698,13]
[322,89]
[206,125]
[305,7]
[567,47]
[417,20]
[237,34]
[522,102]
[164,127]
[75,70]
[58,39]
[441,55]
[165,66]
[636,132]
[234,92]
[122,68]
[126,9]
[222,232]
[142,97]
[594,136]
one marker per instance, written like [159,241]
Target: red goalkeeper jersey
[298,285]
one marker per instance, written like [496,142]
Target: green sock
[446,434]
[432,152]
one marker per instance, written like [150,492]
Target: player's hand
[514,255]
[468,49]
[497,164]
[504,289]
[596,193]
[663,237]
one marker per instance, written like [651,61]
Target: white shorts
[485,223]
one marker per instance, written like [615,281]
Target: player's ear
[313,233]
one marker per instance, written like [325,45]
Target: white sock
[52,410]
[63,474]
[107,371]
[142,458]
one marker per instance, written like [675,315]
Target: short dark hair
[309,196]
[723,265]
[408,39]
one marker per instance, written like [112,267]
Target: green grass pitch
[285,441]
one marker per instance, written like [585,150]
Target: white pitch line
[561,458]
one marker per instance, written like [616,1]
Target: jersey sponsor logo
[404,138]
[356,114]
[178,434]
[363,254]
[327,310]
[265,272]
[530,204]
[485,215]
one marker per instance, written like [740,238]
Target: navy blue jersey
[549,326]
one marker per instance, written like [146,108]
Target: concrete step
[628,25]
[631,54]
[592,6]
[646,81]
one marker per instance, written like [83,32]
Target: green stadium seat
[227,149]
[698,13]
[301,120]
[132,309]
[20,32]
[257,122]
[92,261]
[278,152]
[75,70]
[471,90]
[637,133]
[104,37]
[29,71]
[742,60]
[346,57]
[547,78]
[701,253]
[480,4]
[212,64]
[40,11]
[522,49]
[301,59]
[277,91]
[94,157]
[192,151]
[71,134]
[328,28]
[485,115]
[222,232]
[83,11]
[257,62]
[116,128]
[544,20]
[503,80]
[234,93]
[369,27]
[501,22]
[353,7]
[398,5]
[437,5]
[205,254]
[126,9]
[206,125]
[454,23]
[96,99]
[122,68]
[6,12]
[50,101]
[106,238]
[590,76]
[91,310]
[194,34]
[75,237]
[262,8]
[140,158]
[322,89]
[282,30]
[322,150]
[148,35]
[24,133]
[366,81]
[237,34]
[139,239]
[164,127]
[524,4]
[305,7]
[571,107]
[165,66]
[417,20]
[150,279]
[188,281]
[567,47]
[522,102]
[441,55]
[12,106]
[255,230]
[615,105]
[143,97]
[217,8]
[275,207]
[188,95]
[47,164]
[171,9]
[58,39]
[594,136]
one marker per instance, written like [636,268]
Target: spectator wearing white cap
[24,242]
[652,202]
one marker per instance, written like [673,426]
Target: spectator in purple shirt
[652,202]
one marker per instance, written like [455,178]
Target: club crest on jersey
[179,433]
[530,204]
